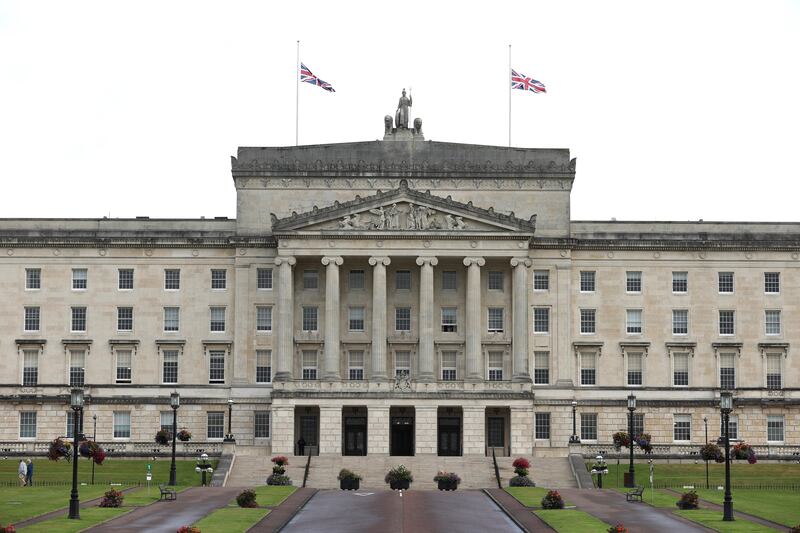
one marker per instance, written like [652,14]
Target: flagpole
[297,97]
[508,85]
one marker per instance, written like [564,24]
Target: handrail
[308,465]
[496,471]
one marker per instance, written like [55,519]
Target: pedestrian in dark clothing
[29,473]
[301,446]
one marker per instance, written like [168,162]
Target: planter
[447,485]
[402,484]
[349,484]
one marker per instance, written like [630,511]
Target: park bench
[167,493]
[634,494]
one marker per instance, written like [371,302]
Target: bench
[634,494]
[167,493]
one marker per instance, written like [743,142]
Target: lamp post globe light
[725,407]
[631,408]
[76,402]
[174,402]
[203,467]
[574,438]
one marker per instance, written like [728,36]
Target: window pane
[541,368]
[356,319]
[30,368]
[495,280]
[216,425]
[124,359]
[122,425]
[772,282]
[172,279]
[170,373]
[682,428]
[449,319]
[588,322]
[402,363]
[216,366]
[264,278]
[635,369]
[541,280]
[80,277]
[261,429]
[27,424]
[309,364]
[727,371]
[774,378]
[125,318]
[680,321]
[172,318]
[587,281]
[449,359]
[495,366]
[32,315]
[402,280]
[78,319]
[310,279]
[633,323]
[541,320]
[588,426]
[33,278]
[775,428]
[680,370]
[218,279]
[773,322]
[309,319]
[77,364]
[495,320]
[449,280]
[726,323]
[263,366]
[356,279]
[588,370]
[217,319]
[680,282]
[402,319]
[356,365]
[263,318]
[633,282]
[542,425]
[726,282]
[125,279]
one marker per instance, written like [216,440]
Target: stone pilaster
[378,430]
[426,317]
[562,355]
[474,430]
[425,429]
[521,323]
[330,430]
[379,265]
[241,326]
[332,311]
[474,357]
[283,368]
[282,429]
[521,430]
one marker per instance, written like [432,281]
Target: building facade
[400,297]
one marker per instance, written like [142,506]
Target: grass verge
[777,506]
[89,517]
[713,520]
[231,520]
[678,475]
[270,496]
[21,503]
[572,521]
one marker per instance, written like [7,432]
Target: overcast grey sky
[675,110]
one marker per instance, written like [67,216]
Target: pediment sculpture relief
[404,217]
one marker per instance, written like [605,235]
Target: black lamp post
[229,436]
[574,438]
[705,422]
[174,402]
[203,468]
[94,438]
[631,408]
[725,407]
[76,402]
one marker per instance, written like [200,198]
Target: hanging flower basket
[643,441]
[163,436]
[184,435]
[59,448]
[743,450]
[93,451]
[621,440]
[712,452]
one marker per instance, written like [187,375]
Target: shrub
[8,528]
[711,452]
[58,448]
[619,528]
[398,473]
[163,436]
[189,529]
[347,474]
[521,466]
[278,479]
[688,500]
[112,498]
[521,481]
[247,498]
[451,477]
[553,500]
[621,440]
[184,435]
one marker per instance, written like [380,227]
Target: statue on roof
[401,115]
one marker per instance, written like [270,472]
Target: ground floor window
[542,425]
[638,424]
[261,429]
[588,426]
[122,424]
[775,428]
[71,424]
[216,425]
[682,428]
[733,427]
[166,420]
[27,425]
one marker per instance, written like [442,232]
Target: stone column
[282,429]
[521,430]
[330,430]
[425,429]
[332,311]
[474,330]
[283,368]
[563,362]
[379,317]
[426,355]
[378,430]
[521,324]
[474,430]
[241,323]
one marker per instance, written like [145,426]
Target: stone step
[550,472]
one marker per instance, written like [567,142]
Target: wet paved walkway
[383,511]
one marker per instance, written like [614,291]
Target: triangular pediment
[403,210]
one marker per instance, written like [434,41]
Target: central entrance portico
[401,431]
[449,422]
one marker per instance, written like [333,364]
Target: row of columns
[426,349]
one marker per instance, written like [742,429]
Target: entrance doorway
[354,422]
[401,431]
[497,431]
[306,438]
[449,431]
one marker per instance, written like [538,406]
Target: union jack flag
[525,83]
[307,76]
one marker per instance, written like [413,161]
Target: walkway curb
[522,516]
[281,515]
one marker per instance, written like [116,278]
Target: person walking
[29,473]
[23,472]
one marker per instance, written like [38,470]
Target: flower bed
[447,480]
[689,500]
[348,480]
[552,500]
[112,498]
[399,478]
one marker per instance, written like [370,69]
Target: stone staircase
[253,470]
[549,472]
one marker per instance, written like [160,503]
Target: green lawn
[269,496]
[713,519]
[780,507]
[21,503]
[571,521]
[529,496]
[231,520]
[89,517]
[657,498]
[678,475]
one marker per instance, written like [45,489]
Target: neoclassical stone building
[401,297]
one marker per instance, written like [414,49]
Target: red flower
[521,462]
[280,460]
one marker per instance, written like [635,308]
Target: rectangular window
[726,282]
[402,364]
[125,279]
[772,321]
[495,280]
[402,280]
[634,369]
[680,370]
[264,278]
[541,320]
[124,318]
[775,428]
[355,279]
[633,321]
[219,279]
[588,321]
[727,371]
[264,318]
[172,318]
[33,278]
[216,366]
[30,368]
[541,368]
[27,424]
[217,319]
[680,282]
[263,366]
[588,426]
[449,365]
[588,368]
[356,365]
[31,322]
[633,281]
[77,368]
[170,370]
[733,427]
[774,377]
[682,428]
[587,281]
[495,363]
[726,323]
[310,279]
[355,319]
[166,420]
[449,280]
[449,324]
[172,279]
[78,322]
[215,424]
[71,424]
[309,364]
[122,424]
[638,424]
[680,321]
[542,425]
[772,282]
[261,424]
[495,322]
[124,360]
[310,319]
[80,279]
[402,319]
[541,280]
